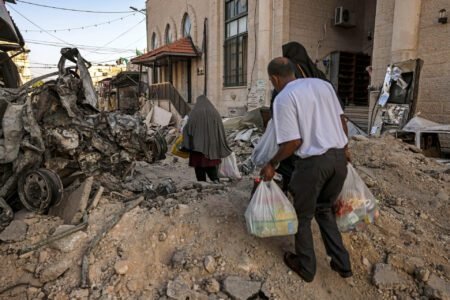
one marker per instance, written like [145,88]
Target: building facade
[232,41]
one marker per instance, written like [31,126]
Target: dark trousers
[201,173]
[316,184]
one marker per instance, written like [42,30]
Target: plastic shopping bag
[270,213]
[356,206]
[177,148]
[228,167]
[267,146]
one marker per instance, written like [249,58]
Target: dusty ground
[169,238]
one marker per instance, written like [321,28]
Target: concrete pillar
[405,33]
[264,47]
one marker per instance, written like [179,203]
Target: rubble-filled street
[224,150]
[190,241]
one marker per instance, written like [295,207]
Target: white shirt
[309,109]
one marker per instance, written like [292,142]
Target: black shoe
[343,274]
[289,260]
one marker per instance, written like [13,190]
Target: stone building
[222,48]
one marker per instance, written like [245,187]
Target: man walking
[309,123]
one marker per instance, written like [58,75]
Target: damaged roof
[10,36]
[181,48]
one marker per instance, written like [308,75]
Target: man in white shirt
[309,123]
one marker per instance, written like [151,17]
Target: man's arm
[285,150]
[345,128]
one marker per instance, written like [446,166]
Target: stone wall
[311,24]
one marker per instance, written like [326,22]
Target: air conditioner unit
[343,17]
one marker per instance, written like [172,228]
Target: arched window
[154,41]
[186,25]
[168,34]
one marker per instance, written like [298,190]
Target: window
[235,73]
[186,25]
[168,34]
[154,41]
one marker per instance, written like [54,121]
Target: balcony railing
[166,90]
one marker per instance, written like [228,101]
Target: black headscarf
[304,67]
[204,131]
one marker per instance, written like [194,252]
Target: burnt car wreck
[52,135]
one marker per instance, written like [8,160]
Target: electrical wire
[36,25]
[104,50]
[73,9]
[81,27]
[119,36]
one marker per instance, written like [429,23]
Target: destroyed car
[52,135]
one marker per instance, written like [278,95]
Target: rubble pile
[189,240]
[57,128]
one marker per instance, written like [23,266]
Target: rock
[442,196]
[69,243]
[245,263]
[210,264]
[132,285]
[43,256]
[15,232]
[80,294]
[97,197]
[162,236]
[385,278]
[414,149]
[241,289]
[30,268]
[406,263]
[54,271]
[439,287]
[422,274]
[212,286]
[366,263]
[178,259]
[178,289]
[72,206]
[359,138]
[121,267]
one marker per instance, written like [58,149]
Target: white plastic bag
[355,206]
[228,167]
[270,213]
[267,146]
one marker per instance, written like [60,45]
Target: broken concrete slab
[161,116]
[15,232]
[72,206]
[69,243]
[386,278]
[240,288]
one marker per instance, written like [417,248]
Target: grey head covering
[204,131]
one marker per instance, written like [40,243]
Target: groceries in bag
[270,213]
[355,206]
[228,168]
[267,146]
[177,148]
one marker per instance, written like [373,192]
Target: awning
[179,50]
[10,37]
[126,79]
